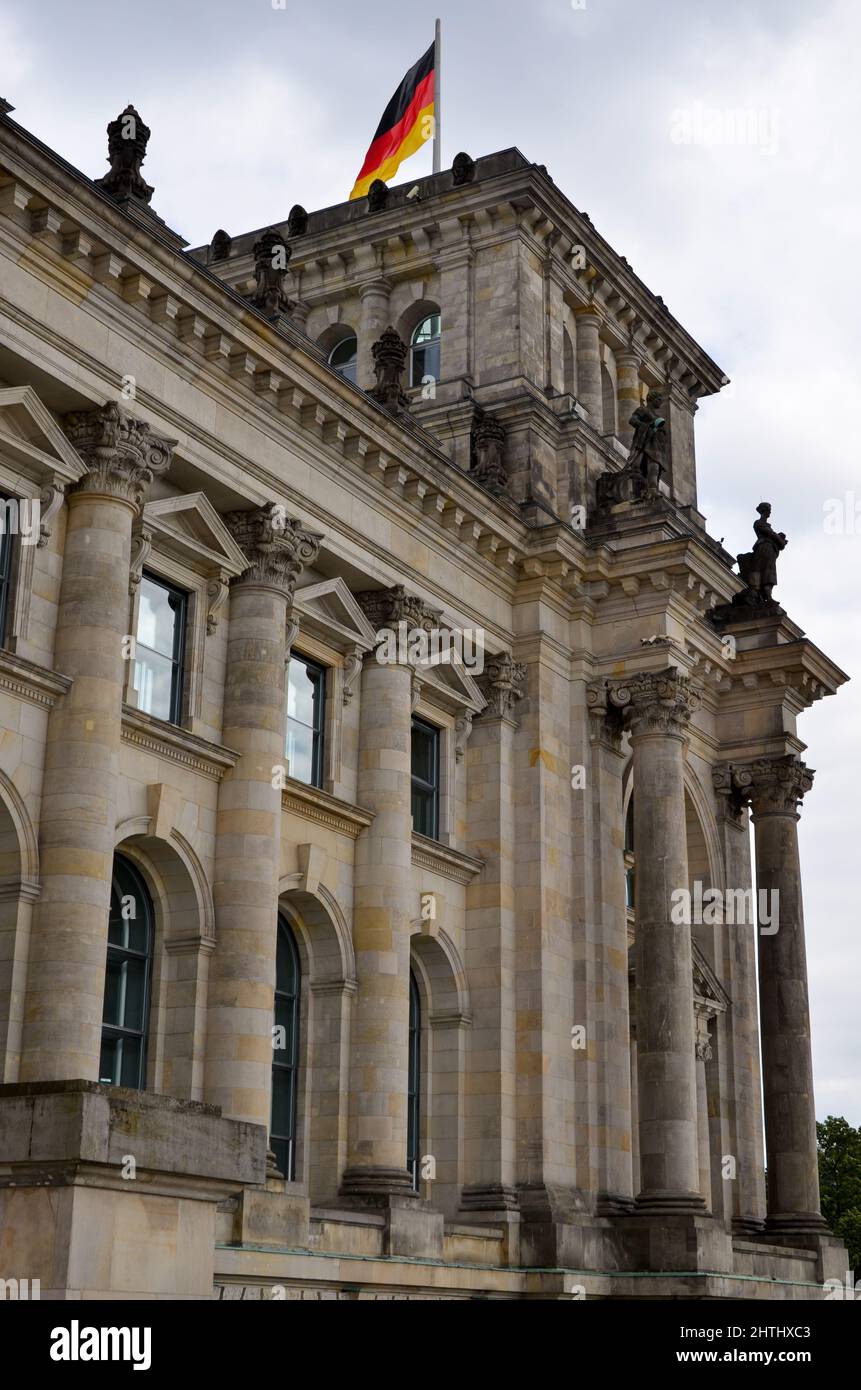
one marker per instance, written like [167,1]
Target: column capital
[606,719]
[387,609]
[770,786]
[655,702]
[276,546]
[121,453]
[502,685]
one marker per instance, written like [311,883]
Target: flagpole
[437,85]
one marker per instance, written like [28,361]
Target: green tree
[839,1148]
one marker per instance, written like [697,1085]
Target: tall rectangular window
[160,649]
[425,779]
[306,708]
[7,542]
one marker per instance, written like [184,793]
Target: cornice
[315,805]
[445,861]
[176,745]
[36,684]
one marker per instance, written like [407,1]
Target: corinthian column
[66,975]
[658,708]
[775,787]
[238,1074]
[383,909]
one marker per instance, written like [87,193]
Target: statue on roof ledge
[271,259]
[758,571]
[127,142]
[378,196]
[462,170]
[297,221]
[639,480]
[220,245]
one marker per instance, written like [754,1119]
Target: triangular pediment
[448,675]
[32,441]
[190,528]
[329,611]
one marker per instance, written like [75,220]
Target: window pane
[301,690]
[427,330]
[157,618]
[300,753]
[154,683]
[424,813]
[343,358]
[424,753]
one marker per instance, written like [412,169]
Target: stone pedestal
[238,1075]
[77,829]
[107,1193]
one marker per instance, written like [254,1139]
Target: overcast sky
[753,245]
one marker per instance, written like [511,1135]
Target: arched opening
[425,350]
[414,1074]
[128,979]
[285,1051]
[344,357]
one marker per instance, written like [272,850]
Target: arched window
[414,1084]
[343,357]
[629,855]
[608,392]
[128,977]
[285,1065]
[425,350]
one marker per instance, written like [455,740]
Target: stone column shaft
[659,707]
[628,392]
[374,321]
[238,1074]
[776,786]
[68,948]
[589,390]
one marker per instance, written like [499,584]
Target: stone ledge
[36,684]
[442,859]
[316,805]
[176,745]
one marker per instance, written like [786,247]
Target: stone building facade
[329,968]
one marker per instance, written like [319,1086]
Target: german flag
[404,127]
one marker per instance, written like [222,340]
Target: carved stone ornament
[127,142]
[386,609]
[220,245]
[462,170]
[271,260]
[770,786]
[140,553]
[217,589]
[297,221]
[502,684]
[462,731]
[703,1017]
[121,453]
[277,547]
[390,358]
[758,571]
[378,196]
[655,702]
[606,719]
[488,446]
[352,666]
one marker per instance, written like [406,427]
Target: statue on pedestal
[758,568]
[639,480]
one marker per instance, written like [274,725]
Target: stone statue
[390,356]
[127,142]
[462,170]
[220,245]
[378,196]
[758,568]
[488,443]
[271,258]
[649,447]
[297,222]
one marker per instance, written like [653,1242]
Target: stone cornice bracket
[606,720]
[462,731]
[140,552]
[121,453]
[217,589]
[655,702]
[502,684]
[770,786]
[352,666]
[277,547]
[386,609]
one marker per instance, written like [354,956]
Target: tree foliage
[839,1149]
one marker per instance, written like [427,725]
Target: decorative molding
[217,590]
[318,806]
[121,453]
[502,685]
[445,861]
[14,889]
[30,682]
[462,730]
[176,745]
[140,551]
[770,786]
[352,669]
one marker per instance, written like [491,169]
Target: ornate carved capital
[276,546]
[121,453]
[770,786]
[606,719]
[385,609]
[502,685]
[655,702]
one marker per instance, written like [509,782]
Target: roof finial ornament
[127,142]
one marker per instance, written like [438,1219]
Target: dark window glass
[629,855]
[306,708]
[160,649]
[128,972]
[414,1084]
[425,779]
[285,1054]
[7,543]
[343,357]
[425,352]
